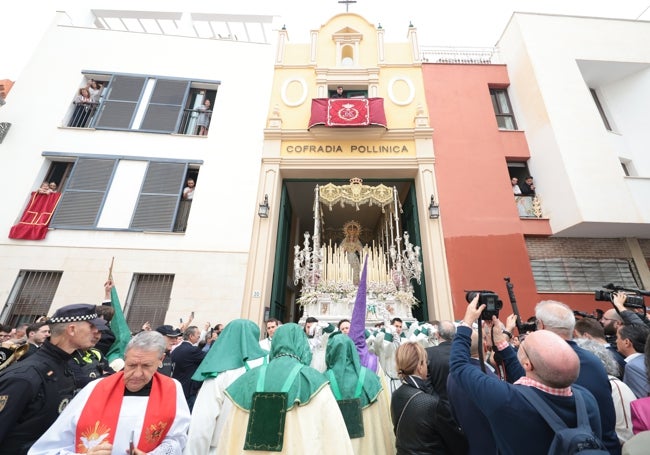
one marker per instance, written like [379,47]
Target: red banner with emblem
[35,221]
[347,112]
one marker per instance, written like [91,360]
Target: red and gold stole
[98,419]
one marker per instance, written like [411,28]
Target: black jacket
[424,425]
[86,366]
[438,367]
[186,359]
[106,341]
[33,393]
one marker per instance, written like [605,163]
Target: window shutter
[80,203]
[31,296]
[158,201]
[165,106]
[582,275]
[120,104]
[148,299]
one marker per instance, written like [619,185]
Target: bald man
[559,319]
[551,367]
[611,321]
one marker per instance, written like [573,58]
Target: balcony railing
[528,206]
[192,120]
[347,112]
[460,55]
[84,115]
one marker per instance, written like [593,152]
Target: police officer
[90,364]
[171,335]
[33,392]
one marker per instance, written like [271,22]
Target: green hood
[288,349]
[238,342]
[342,359]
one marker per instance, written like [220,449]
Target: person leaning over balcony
[515,185]
[95,90]
[44,189]
[82,109]
[527,187]
[339,93]
[205,113]
[188,191]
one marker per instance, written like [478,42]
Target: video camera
[488,298]
[582,314]
[634,300]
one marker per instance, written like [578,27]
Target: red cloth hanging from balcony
[36,218]
[347,112]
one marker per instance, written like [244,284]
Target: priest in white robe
[137,410]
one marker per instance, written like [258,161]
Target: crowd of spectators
[471,386]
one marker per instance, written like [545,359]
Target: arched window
[347,56]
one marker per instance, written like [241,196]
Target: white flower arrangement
[338,291]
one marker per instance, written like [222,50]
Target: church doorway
[376,229]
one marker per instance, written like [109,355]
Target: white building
[121,164]
[579,88]
[599,164]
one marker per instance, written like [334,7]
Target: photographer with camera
[467,413]
[551,367]
[630,308]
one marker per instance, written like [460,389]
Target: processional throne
[328,268]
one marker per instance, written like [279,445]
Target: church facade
[294,185]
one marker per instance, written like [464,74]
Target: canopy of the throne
[356,193]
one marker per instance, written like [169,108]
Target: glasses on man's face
[523,349]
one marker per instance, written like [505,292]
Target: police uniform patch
[63,404]
[3,401]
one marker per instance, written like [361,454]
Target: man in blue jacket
[551,367]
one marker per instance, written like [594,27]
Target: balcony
[87,115]
[528,206]
[461,55]
[347,112]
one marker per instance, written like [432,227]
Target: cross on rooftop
[347,4]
